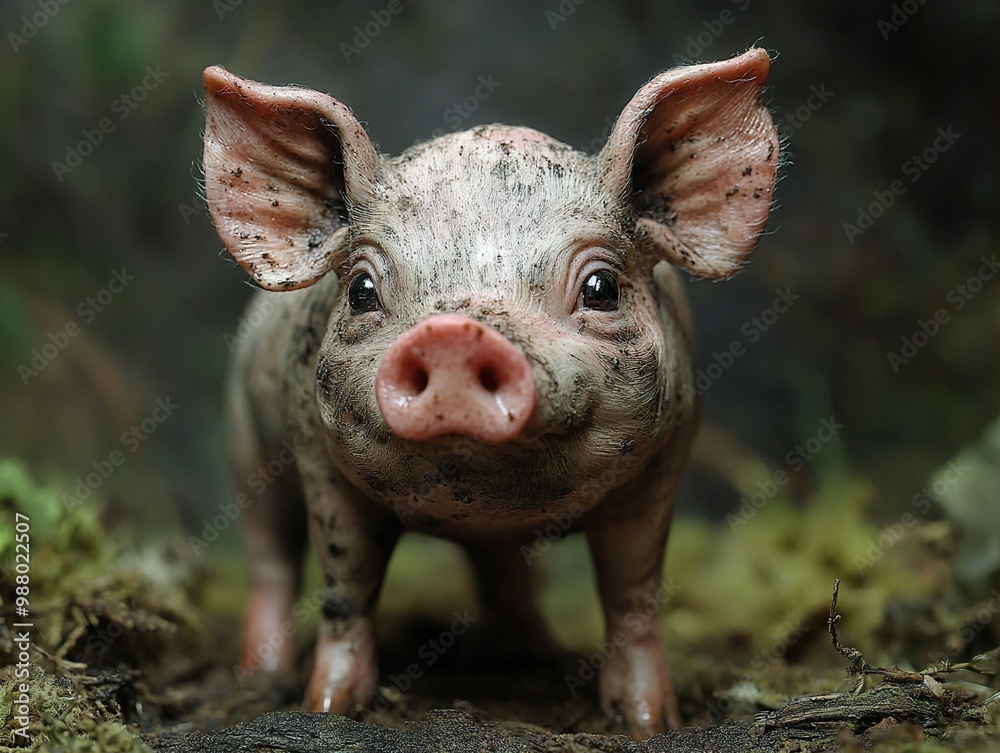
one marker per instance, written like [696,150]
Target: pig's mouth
[465,477]
[541,432]
[451,478]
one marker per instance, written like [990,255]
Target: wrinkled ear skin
[695,157]
[283,167]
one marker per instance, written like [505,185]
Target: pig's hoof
[635,685]
[346,674]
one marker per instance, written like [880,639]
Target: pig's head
[498,344]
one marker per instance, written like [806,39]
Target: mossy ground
[134,644]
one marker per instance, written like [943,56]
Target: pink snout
[452,375]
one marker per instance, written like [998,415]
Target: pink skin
[297,190]
[345,675]
[269,603]
[453,375]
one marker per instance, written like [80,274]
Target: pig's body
[502,344]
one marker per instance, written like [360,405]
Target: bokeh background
[858,90]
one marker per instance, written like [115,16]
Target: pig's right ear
[695,155]
[283,165]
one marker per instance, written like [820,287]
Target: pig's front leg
[635,682]
[627,537]
[353,537]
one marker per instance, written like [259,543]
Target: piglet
[481,336]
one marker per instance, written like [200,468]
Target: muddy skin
[565,255]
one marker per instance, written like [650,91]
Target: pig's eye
[600,291]
[361,294]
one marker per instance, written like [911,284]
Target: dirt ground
[135,648]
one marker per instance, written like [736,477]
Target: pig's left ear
[696,154]
[282,167]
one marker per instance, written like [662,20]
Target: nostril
[418,381]
[414,378]
[452,375]
[488,379]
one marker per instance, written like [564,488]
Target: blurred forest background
[102,122]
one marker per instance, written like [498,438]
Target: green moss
[97,605]
[71,537]
[61,718]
